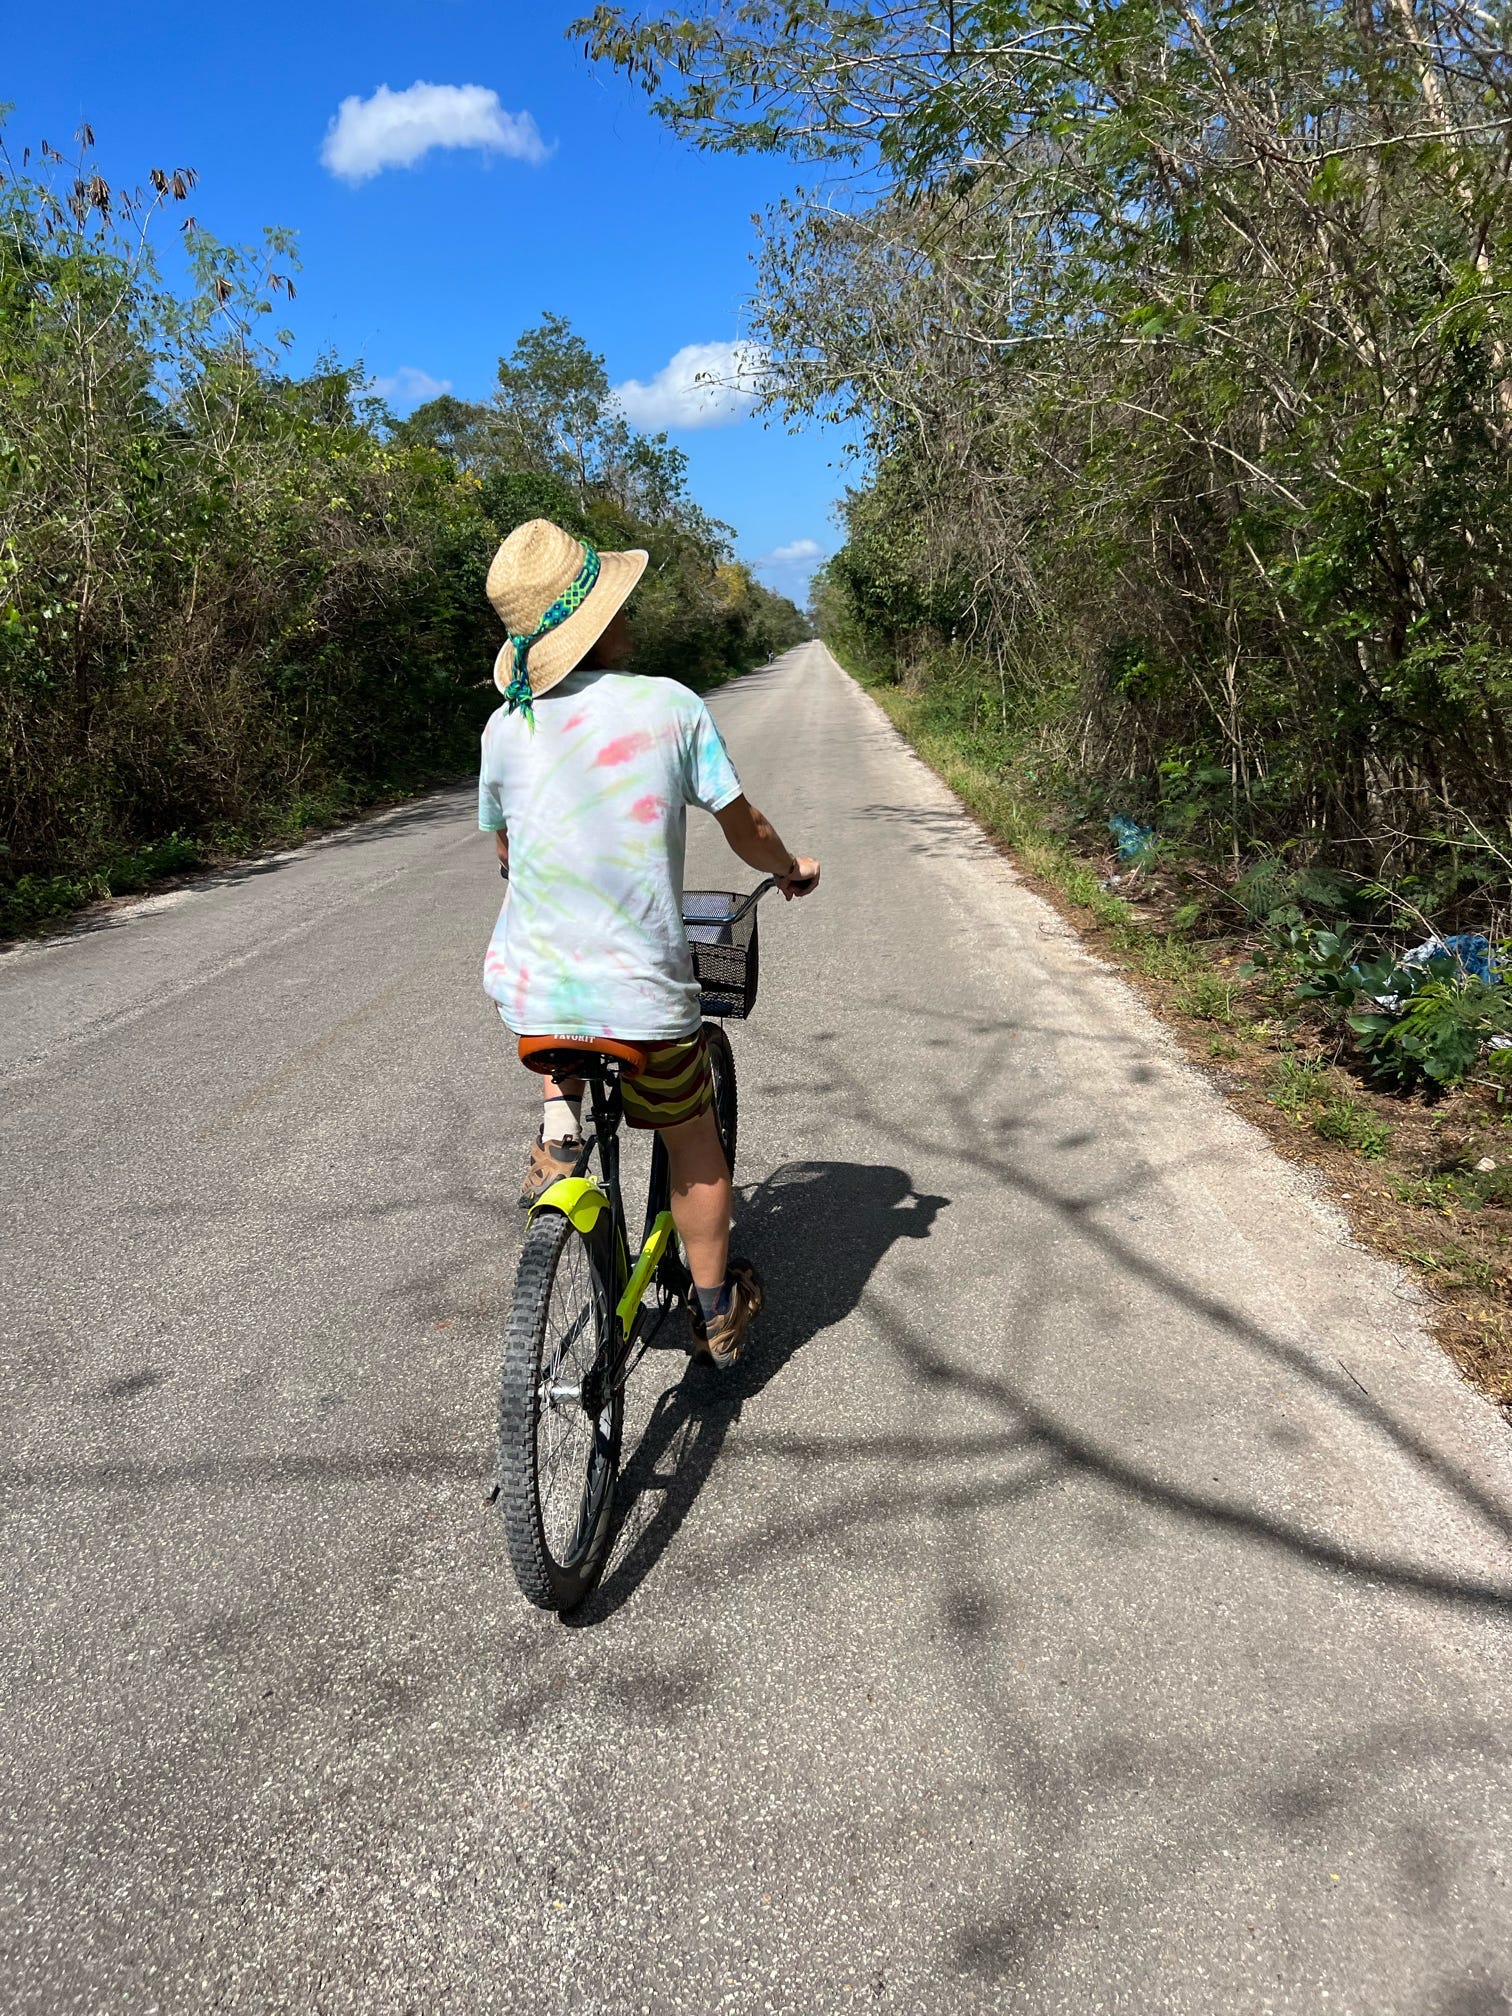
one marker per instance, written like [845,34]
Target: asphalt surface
[1094,1594]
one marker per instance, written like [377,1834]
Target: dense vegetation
[236,603]
[1179,336]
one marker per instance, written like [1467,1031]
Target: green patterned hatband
[517,695]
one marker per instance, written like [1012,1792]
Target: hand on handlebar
[803,881]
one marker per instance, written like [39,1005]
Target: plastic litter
[1134,841]
[1468,949]
[1470,952]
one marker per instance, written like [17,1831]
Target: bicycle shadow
[817,1231]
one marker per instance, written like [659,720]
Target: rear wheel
[722,1065]
[559,1420]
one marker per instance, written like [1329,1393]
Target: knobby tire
[722,1065]
[555,1251]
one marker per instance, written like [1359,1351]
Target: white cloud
[393,129]
[704,385]
[796,553]
[409,386]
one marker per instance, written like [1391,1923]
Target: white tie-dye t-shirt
[590,940]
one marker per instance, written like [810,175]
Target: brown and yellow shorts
[675,1086]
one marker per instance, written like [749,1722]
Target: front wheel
[560,1413]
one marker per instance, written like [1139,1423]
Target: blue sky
[586,207]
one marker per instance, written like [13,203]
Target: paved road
[1094,1595]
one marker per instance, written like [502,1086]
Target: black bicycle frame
[608,1113]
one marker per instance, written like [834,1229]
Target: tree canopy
[1178,334]
[235,601]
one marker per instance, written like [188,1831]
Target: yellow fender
[576,1197]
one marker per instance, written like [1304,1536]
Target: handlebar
[761,889]
[744,909]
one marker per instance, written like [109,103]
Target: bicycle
[580,1322]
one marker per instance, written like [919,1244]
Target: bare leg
[701,1197]
[565,1088]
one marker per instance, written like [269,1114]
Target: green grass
[1166,955]
[1456,1266]
[32,900]
[1350,1125]
[1297,1084]
[1463,1189]
[1007,811]
[1206,997]
[1312,1092]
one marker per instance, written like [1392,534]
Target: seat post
[606,1118]
[602,1090]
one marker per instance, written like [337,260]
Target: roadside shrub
[236,602]
[1438,1031]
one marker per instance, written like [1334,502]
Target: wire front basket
[726,953]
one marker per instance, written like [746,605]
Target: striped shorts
[676,1085]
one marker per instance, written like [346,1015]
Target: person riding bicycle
[587,773]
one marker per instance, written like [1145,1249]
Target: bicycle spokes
[572,1426]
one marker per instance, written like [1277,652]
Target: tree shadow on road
[438,806]
[817,1231]
[1003,1152]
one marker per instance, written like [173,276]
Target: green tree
[1183,329]
[464,432]
[235,602]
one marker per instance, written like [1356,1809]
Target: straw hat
[555,596]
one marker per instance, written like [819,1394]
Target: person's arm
[491,809]
[752,836]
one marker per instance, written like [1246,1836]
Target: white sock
[563,1119]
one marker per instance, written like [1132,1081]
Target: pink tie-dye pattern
[621,749]
[582,953]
